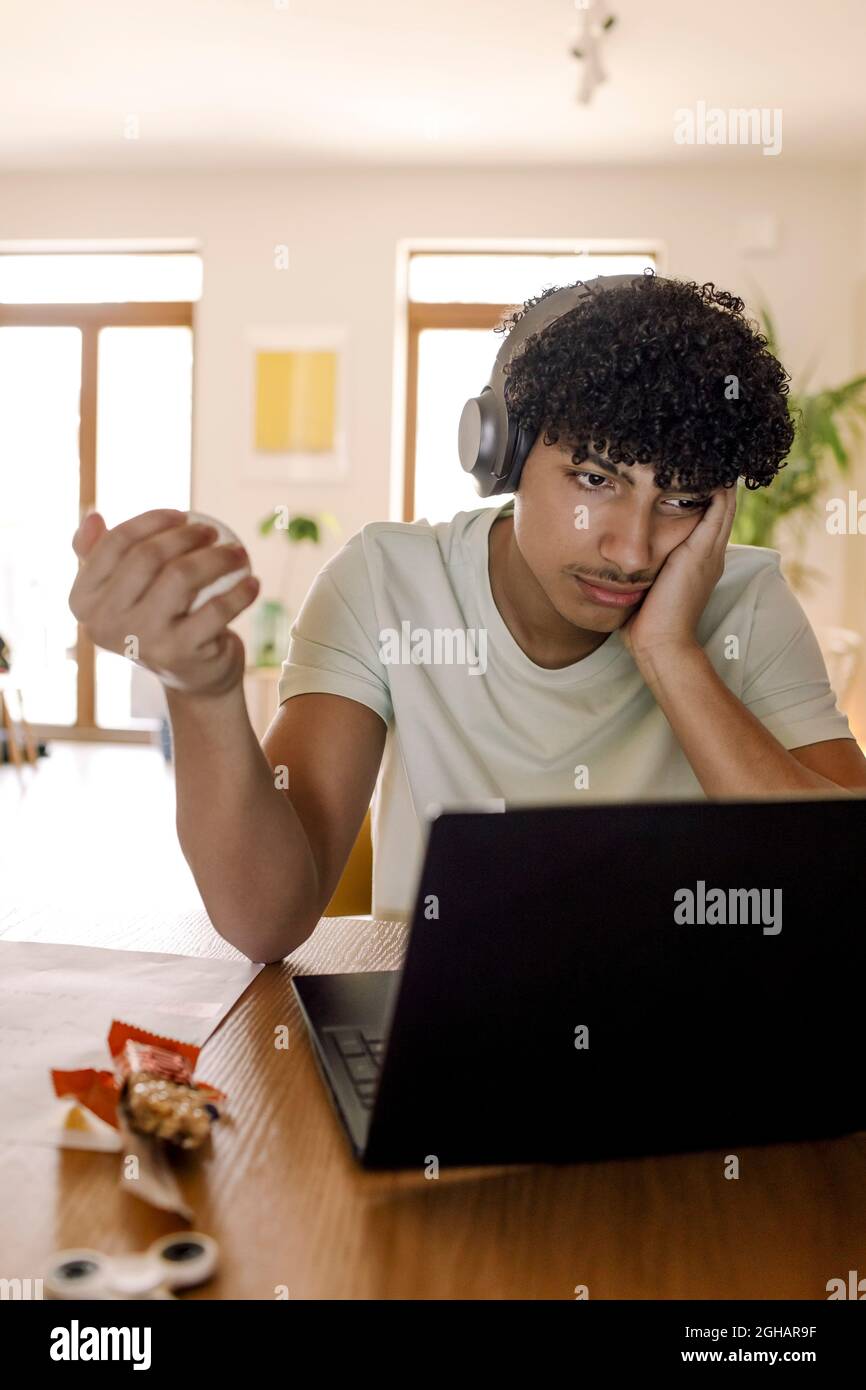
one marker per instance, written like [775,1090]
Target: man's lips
[608,595]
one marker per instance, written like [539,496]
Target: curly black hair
[641,369]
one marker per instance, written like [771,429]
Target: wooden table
[289,1207]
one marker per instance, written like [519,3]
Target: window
[96,355]
[456,299]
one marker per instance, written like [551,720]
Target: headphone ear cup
[483,420]
[520,441]
[482,424]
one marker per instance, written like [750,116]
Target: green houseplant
[272,618]
[827,423]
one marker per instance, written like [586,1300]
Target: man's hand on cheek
[667,618]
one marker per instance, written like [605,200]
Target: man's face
[620,541]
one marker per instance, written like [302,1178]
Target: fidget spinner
[177,1261]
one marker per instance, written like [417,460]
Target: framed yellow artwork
[296,404]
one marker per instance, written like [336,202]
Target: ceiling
[230,83]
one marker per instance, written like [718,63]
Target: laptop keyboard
[361,1051]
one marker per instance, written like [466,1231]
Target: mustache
[625,582]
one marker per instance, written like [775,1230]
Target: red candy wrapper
[152,1084]
[155,1061]
[153,1100]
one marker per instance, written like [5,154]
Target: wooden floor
[89,832]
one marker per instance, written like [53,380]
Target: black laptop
[585,982]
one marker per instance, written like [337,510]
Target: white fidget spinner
[177,1261]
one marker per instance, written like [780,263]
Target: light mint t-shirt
[403,619]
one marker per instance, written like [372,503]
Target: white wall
[342,229]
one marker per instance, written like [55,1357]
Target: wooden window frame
[426,315]
[91,319]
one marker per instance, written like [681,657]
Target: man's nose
[626,546]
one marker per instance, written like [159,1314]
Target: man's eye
[588,480]
[689,504]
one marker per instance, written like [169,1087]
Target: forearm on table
[730,751]
[240,835]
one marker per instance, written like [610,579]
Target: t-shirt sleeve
[785,682]
[333,643]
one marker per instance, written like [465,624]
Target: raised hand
[134,588]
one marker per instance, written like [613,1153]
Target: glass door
[40,387]
[143,444]
[95,408]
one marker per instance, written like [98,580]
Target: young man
[614,646]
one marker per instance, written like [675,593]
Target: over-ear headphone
[493,448]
